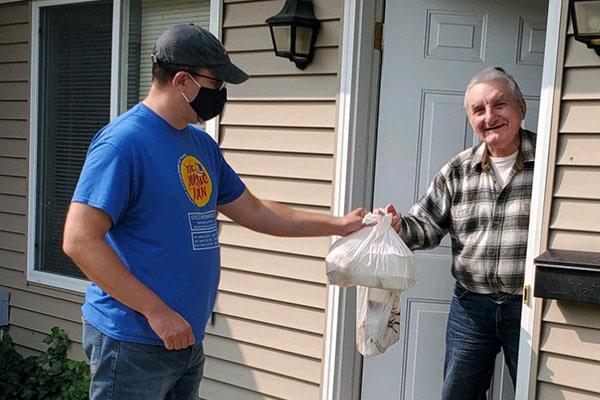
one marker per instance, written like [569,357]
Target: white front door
[431,50]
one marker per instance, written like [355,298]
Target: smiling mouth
[491,128]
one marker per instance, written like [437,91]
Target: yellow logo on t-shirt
[196,180]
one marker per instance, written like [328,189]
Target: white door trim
[527,355]
[216,28]
[356,127]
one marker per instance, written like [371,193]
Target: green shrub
[50,375]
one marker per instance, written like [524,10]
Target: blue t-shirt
[161,187]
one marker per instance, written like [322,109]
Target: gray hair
[492,74]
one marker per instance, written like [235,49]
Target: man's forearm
[280,220]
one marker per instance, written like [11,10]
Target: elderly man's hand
[396,217]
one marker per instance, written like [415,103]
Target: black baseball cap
[193,46]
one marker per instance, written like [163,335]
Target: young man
[482,198]
[142,225]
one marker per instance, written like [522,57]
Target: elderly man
[482,198]
[143,225]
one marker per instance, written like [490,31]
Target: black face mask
[208,103]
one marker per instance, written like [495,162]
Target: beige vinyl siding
[569,333]
[278,133]
[157,16]
[569,363]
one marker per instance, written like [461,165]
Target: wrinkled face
[495,115]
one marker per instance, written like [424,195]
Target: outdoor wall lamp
[294,32]
[586,22]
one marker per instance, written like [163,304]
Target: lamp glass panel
[588,17]
[303,39]
[281,33]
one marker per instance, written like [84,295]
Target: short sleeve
[230,185]
[105,181]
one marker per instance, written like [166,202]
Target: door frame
[556,28]
[356,126]
[355,155]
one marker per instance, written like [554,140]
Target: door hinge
[526,294]
[378,42]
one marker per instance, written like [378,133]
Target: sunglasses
[220,83]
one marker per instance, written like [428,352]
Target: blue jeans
[478,327]
[132,371]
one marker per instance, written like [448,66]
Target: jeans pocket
[92,345]
[459,291]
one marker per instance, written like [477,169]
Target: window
[83,78]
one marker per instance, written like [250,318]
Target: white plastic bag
[373,256]
[377,320]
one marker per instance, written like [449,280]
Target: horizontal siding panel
[281,165]
[13,223]
[578,241]
[577,215]
[44,323]
[236,235]
[290,191]
[14,129]
[14,33]
[570,372]
[14,90]
[571,341]
[14,52]
[14,109]
[215,390]
[13,148]
[13,185]
[259,37]
[13,204]
[580,150]
[325,61]
[279,338]
[33,340]
[13,260]
[575,314]
[293,140]
[550,391]
[17,280]
[12,241]
[265,359]
[14,13]
[580,116]
[260,381]
[296,87]
[268,263]
[581,84]
[271,312]
[569,182]
[13,166]
[578,54]
[292,114]
[44,305]
[273,288]
[256,12]
[14,72]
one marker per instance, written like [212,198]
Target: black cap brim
[229,73]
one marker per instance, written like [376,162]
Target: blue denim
[478,327]
[132,371]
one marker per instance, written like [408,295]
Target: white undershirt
[502,167]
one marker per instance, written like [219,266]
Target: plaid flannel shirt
[488,224]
